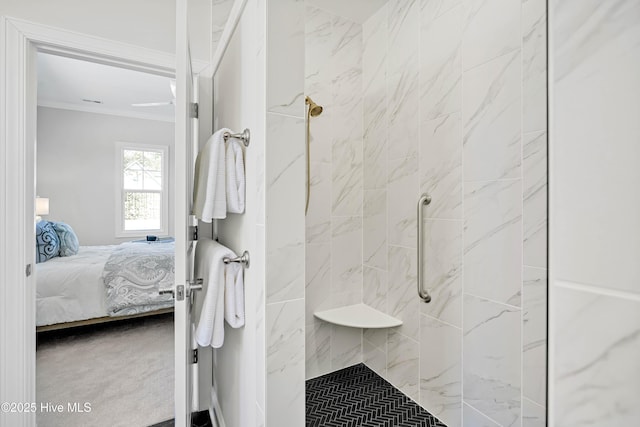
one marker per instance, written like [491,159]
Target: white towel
[209,193]
[235,177]
[210,267]
[234,295]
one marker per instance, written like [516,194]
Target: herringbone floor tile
[357,396]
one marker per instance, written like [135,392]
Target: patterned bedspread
[133,274]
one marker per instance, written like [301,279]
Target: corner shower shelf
[358,316]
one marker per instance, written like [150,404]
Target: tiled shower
[446,98]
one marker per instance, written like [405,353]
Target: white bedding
[71,288]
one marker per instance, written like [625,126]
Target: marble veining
[596,360]
[285,334]
[346,254]
[534,65]
[492,119]
[318,50]
[374,56]
[432,9]
[375,288]
[473,418]
[441,370]
[318,278]
[590,31]
[285,229]
[402,363]
[403,25]
[441,64]
[597,45]
[346,174]
[533,415]
[535,199]
[442,266]
[491,361]
[285,44]
[375,219]
[346,346]
[534,334]
[422,88]
[317,348]
[402,300]
[375,173]
[441,166]
[335,54]
[374,71]
[493,240]
[491,29]
[377,337]
[374,358]
[402,194]
[403,102]
[318,218]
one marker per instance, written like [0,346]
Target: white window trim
[164,219]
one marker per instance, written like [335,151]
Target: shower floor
[357,396]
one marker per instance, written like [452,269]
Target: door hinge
[194,355]
[193,110]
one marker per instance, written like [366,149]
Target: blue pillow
[69,243]
[47,242]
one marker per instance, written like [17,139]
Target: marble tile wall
[282,365]
[455,105]
[594,286]
[334,223]
[446,97]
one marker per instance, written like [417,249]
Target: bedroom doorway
[104,159]
[18,99]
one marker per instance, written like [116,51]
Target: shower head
[314,109]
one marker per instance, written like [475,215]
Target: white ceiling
[64,83]
[355,10]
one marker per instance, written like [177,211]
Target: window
[142,198]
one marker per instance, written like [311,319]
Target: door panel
[186,140]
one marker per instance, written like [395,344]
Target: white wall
[76,167]
[150,24]
[238,101]
[595,213]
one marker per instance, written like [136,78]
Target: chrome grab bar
[425,199]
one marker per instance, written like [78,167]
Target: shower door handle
[425,199]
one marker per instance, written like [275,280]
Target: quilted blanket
[134,273]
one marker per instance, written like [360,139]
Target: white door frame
[18,106]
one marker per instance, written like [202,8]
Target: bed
[104,283]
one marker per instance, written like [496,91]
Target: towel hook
[245,136]
[244,259]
